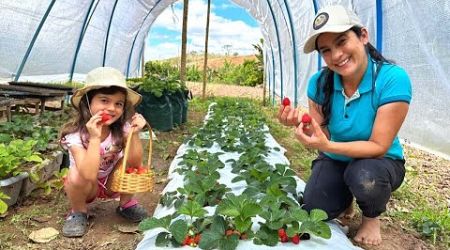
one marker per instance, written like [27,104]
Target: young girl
[358,104]
[95,141]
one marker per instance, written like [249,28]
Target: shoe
[76,225]
[135,213]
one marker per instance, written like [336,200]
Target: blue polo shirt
[352,118]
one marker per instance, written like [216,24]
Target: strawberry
[306,119]
[229,232]
[141,170]
[186,241]
[105,117]
[295,239]
[285,238]
[281,232]
[286,102]
[130,170]
[197,238]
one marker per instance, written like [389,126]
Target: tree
[205,62]
[184,41]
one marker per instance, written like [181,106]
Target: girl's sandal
[75,225]
[135,213]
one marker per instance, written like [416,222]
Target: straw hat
[103,77]
[334,19]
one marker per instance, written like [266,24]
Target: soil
[106,228]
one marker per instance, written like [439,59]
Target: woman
[357,104]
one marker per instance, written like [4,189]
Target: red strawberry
[105,117]
[130,170]
[229,232]
[141,170]
[295,239]
[285,238]
[281,232]
[306,119]
[197,238]
[186,241]
[286,102]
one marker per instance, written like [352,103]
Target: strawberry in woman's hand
[286,102]
[105,117]
[306,119]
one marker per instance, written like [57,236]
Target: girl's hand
[288,115]
[138,122]
[317,139]
[94,126]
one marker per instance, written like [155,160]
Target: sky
[231,30]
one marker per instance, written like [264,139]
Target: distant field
[214,61]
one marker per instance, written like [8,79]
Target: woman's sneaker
[75,225]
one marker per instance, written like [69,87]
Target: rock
[44,235]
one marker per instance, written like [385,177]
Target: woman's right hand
[94,126]
[288,115]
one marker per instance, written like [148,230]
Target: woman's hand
[288,115]
[312,136]
[138,122]
[94,126]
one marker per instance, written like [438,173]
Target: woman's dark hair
[84,114]
[326,83]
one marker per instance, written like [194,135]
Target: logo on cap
[320,20]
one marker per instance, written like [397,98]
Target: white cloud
[222,31]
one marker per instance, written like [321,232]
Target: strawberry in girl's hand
[306,119]
[286,102]
[105,117]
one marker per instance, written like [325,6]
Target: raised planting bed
[40,173]
[12,187]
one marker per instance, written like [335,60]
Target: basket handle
[127,148]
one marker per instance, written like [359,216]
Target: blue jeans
[333,184]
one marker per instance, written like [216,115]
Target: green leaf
[318,215]
[230,243]
[151,223]
[179,230]
[3,207]
[210,239]
[163,239]
[250,210]
[242,225]
[193,209]
[299,214]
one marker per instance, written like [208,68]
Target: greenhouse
[50,47]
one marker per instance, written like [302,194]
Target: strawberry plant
[3,205]
[239,210]
[17,153]
[179,232]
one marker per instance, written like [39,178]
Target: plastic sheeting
[76,36]
[409,32]
[338,240]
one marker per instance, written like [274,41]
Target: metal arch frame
[86,22]
[294,45]
[135,37]
[33,40]
[107,33]
[319,60]
[279,47]
[379,8]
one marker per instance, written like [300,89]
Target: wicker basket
[131,183]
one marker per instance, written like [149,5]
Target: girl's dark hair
[326,82]
[78,124]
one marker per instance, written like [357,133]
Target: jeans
[333,184]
